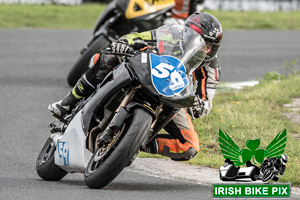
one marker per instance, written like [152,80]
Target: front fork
[119,116]
[156,127]
[123,112]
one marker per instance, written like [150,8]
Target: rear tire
[45,165]
[97,177]
[81,66]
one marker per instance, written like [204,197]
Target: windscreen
[183,43]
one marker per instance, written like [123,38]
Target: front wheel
[45,166]
[106,164]
[81,66]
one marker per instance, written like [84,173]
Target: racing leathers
[181,142]
[183,8]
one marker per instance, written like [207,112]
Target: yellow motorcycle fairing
[137,8]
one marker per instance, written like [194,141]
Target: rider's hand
[120,47]
[200,107]
[139,44]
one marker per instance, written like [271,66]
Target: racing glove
[138,44]
[121,47]
[200,107]
[135,40]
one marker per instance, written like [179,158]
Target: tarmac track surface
[33,69]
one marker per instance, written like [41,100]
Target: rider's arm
[139,40]
[208,79]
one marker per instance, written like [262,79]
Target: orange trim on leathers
[203,85]
[175,145]
[194,77]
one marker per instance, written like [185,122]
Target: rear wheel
[81,66]
[45,166]
[107,163]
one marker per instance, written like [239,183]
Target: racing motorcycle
[272,167]
[119,18]
[229,172]
[105,131]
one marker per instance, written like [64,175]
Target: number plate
[168,75]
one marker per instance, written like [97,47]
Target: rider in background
[183,9]
[181,142]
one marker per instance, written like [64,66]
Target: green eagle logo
[230,150]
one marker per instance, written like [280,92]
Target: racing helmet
[209,28]
[284,158]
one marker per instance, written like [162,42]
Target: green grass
[50,16]
[84,17]
[252,113]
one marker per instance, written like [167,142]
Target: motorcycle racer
[184,8]
[271,167]
[181,142]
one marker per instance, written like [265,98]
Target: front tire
[45,165]
[81,66]
[99,175]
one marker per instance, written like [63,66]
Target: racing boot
[82,89]
[63,106]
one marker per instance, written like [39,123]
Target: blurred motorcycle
[119,18]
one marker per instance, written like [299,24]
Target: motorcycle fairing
[138,8]
[185,98]
[148,17]
[121,78]
[71,153]
[168,75]
[230,172]
[245,172]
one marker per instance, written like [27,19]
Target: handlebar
[131,51]
[129,54]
